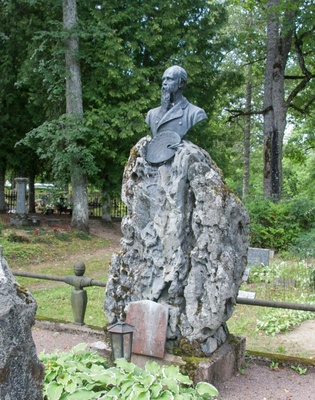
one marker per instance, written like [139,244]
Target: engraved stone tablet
[150,322]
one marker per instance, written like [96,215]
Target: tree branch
[307,75]
[240,113]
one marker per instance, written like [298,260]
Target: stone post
[21,197]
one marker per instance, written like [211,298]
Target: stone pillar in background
[21,197]
[21,372]
[20,217]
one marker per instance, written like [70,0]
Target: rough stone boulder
[21,372]
[184,244]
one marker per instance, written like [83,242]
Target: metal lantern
[121,336]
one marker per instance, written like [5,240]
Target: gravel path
[260,382]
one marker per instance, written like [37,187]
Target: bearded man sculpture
[175,114]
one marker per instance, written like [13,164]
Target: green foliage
[71,375]
[280,321]
[83,235]
[303,246]
[283,282]
[299,369]
[62,142]
[279,225]
[274,365]
[81,374]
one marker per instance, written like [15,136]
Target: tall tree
[285,32]
[279,40]
[74,108]
[17,20]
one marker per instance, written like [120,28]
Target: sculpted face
[172,87]
[171,81]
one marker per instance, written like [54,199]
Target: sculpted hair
[181,73]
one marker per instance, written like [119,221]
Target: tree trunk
[278,47]
[247,131]
[3,208]
[80,209]
[80,214]
[31,193]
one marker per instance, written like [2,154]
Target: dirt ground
[257,380]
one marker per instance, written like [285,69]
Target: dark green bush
[304,245]
[280,225]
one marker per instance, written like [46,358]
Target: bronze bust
[175,116]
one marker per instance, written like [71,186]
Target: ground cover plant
[84,375]
[285,281]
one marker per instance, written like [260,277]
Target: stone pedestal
[184,245]
[224,363]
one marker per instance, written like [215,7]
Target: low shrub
[304,245]
[280,226]
[84,375]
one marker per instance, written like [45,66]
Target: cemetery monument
[185,237]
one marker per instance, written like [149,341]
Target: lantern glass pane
[117,345]
[127,343]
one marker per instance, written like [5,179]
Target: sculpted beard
[165,99]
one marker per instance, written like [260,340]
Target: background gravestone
[184,245]
[21,372]
[257,256]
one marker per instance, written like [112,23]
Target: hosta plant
[83,375]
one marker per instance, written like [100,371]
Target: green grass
[56,303]
[44,246]
[285,281]
[53,251]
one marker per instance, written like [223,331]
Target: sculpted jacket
[179,118]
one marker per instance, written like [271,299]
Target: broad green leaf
[206,389]
[166,395]
[71,386]
[155,389]
[114,392]
[82,394]
[145,379]
[51,376]
[153,368]
[183,379]
[142,396]
[184,396]
[171,384]
[125,365]
[137,390]
[126,385]
[63,379]
[172,372]
[54,391]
